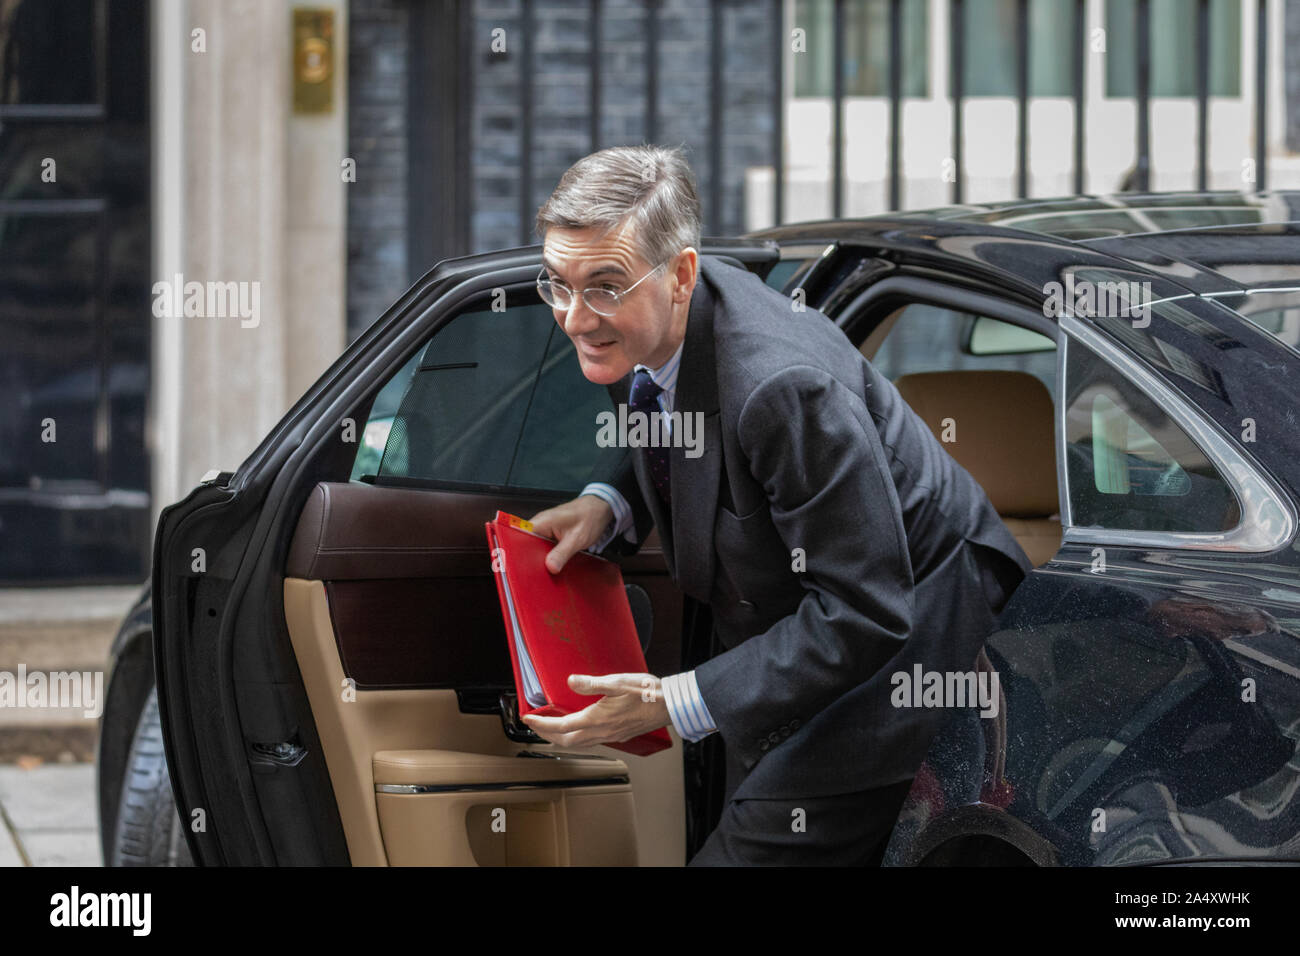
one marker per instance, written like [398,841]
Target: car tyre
[149,830]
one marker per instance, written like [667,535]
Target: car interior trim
[467,787]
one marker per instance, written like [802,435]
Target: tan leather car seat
[1001,431]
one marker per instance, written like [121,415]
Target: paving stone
[9,855]
[62,847]
[49,797]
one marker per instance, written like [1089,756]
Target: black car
[321,656]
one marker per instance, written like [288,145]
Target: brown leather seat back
[998,425]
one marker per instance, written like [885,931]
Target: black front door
[74,291]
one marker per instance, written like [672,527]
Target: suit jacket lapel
[695,481]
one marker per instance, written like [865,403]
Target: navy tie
[644,398]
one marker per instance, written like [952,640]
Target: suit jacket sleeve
[812,444]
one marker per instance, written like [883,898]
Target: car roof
[1204,241]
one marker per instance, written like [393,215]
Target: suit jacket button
[747,605]
[794,724]
[774,737]
[762,745]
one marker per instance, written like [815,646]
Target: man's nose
[579,318]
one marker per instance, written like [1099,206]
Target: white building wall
[245,190]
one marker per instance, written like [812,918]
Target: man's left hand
[633,704]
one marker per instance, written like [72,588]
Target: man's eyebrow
[604,268]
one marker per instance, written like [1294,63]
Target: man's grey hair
[652,187]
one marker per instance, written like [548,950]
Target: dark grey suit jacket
[806,446]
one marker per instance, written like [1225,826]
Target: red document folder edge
[574,622]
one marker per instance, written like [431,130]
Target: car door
[1148,670]
[1153,709]
[331,664]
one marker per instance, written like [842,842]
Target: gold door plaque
[313,60]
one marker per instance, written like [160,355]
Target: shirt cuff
[622,522]
[686,707]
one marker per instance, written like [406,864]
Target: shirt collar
[665,376]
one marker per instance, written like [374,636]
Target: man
[835,540]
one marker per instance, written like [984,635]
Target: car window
[375,435]
[496,399]
[930,338]
[1129,465]
[782,271]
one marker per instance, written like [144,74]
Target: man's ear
[686,271]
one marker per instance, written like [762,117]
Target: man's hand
[576,525]
[633,705]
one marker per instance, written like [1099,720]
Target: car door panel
[392,610]
[490,810]
[379,547]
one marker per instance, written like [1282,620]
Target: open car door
[332,673]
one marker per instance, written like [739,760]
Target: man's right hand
[575,525]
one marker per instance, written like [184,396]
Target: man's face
[642,330]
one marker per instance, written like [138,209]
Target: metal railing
[957,12]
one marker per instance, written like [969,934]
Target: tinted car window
[375,435]
[1129,465]
[557,449]
[494,399]
[782,271]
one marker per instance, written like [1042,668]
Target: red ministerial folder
[574,622]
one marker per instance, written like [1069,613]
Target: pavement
[48,814]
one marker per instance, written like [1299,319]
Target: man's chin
[601,372]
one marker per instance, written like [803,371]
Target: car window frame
[1260,500]
[812,257]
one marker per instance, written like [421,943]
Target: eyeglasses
[600,300]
